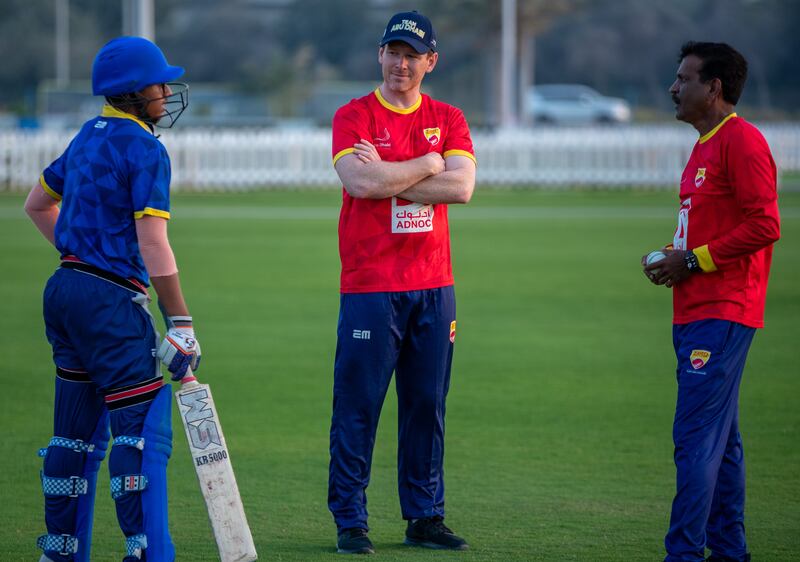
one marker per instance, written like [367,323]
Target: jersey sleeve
[458,141]
[350,125]
[753,175]
[52,178]
[149,179]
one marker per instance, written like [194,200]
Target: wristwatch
[691,261]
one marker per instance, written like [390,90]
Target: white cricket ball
[655,256]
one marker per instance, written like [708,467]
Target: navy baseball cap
[412,28]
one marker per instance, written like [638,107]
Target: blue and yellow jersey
[113,172]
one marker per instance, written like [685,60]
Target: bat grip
[189,380]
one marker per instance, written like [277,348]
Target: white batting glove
[180,349]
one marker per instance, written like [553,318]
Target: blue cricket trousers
[708,509]
[103,342]
[410,334]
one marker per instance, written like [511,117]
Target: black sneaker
[354,541]
[431,532]
[716,558]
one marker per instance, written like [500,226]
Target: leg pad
[71,529]
[143,517]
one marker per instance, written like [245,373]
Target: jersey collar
[713,131]
[111,111]
[390,107]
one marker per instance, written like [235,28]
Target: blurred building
[210,105]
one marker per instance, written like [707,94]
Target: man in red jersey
[401,157]
[717,266]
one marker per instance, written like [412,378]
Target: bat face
[215,473]
[200,421]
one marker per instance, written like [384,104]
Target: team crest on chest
[433,135]
[700,177]
[699,358]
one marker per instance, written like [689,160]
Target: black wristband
[692,263]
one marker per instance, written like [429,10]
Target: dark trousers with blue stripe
[708,509]
[102,340]
[408,333]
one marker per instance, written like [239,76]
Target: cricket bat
[212,462]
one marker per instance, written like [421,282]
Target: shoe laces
[355,533]
[438,524]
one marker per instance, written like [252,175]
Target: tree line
[282,49]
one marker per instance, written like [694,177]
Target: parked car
[574,104]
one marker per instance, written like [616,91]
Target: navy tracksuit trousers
[410,334]
[708,509]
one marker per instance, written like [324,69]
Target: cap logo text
[408,25]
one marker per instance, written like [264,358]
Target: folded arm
[365,176]
[454,185]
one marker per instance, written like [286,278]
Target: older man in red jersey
[718,267]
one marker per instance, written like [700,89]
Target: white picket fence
[639,156]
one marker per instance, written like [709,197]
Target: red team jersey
[393,244]
[729,217]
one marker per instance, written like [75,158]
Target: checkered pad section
[136,442]
[135,545]
[72,486]
[76,445]
[121,485]
[63,544]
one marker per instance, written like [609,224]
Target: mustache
[676,100]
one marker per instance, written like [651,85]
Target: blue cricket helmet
[129,64]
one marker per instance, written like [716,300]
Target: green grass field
[560,411]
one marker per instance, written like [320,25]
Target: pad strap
[63,544]
[77,445]
[121,485]
[135,545]
[127,440]
[73,486]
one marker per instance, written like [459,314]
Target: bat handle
[189,380]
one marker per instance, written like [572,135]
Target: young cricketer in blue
[112,183]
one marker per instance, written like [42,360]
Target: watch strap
[692,263]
